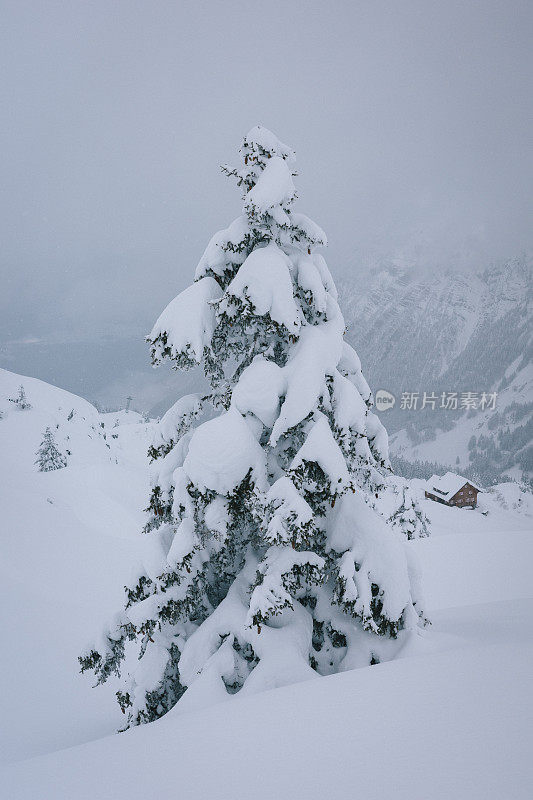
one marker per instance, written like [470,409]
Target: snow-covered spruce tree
[409,517]
[268,559]
[48,456]
[20,400]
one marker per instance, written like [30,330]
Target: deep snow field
[449,719]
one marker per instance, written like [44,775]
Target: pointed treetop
[260,142]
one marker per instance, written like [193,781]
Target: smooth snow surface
[454,724]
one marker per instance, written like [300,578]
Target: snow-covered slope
[449,719]
[452,725]
[450,332]
[486,442]
[68,540]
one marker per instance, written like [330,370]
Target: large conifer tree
[270,556]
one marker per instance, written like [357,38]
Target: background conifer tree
[269,555]
[20,400]
[48,456]
[409,516]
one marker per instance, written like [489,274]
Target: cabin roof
[446,486]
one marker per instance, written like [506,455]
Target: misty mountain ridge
[415,330]
[450,332]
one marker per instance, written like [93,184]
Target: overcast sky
[410,121]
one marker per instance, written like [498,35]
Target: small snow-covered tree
[269,557]
[48,456]
[408,516]
[20,400]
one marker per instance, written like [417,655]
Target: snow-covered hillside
[448,719]
[485,442]
[453,724]
[68,540]
[450,332]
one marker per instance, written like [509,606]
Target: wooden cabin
[452,490]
